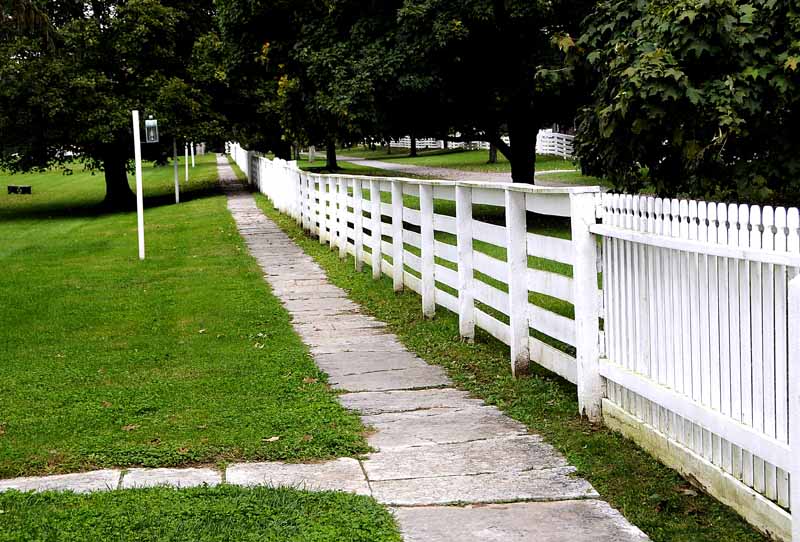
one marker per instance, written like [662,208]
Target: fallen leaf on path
[271,439]
[131,427]
[307,438]
[202,331]
[309,380]
[106,404]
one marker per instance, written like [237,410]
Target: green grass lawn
[650,495]
[183,358]
[219,514]
[457,159]
[354,168]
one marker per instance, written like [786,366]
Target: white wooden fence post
[358,222]
[517,259]
[397,234]
[342,217]
[587,310]
[794,401]
[375,213]
[322,195]
[426,226]
[334,213]
[298,198]
[466,296]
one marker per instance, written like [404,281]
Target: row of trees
[696,97]
[346,70]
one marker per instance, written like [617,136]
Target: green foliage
[350,70]
[203,514]
[696,97]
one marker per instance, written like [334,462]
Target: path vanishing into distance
[450,467]
[449,174]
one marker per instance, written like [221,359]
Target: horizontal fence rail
[691,347]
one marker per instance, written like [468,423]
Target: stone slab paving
[442,459]
[82,482]
[344,474]
[191,477]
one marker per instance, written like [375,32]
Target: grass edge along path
[650,495]
[218,514]
[185,358]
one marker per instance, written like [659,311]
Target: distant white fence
[547,142]
[698,359]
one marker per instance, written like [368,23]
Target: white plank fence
[547,142]
[698,359]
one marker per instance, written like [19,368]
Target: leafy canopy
[696,97]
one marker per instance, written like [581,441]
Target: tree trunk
[413,151]
[522,133]
[119,195]
[492,154]
[446,142]
[330,156]
[283,150]
[389,147]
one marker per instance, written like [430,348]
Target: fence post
[794,401]
[426,226]
[375,212]
[517,259]
[358,222]
[587,310]
[397,234]
[332,208]
[342,217]
[299,192]
[466,296]
[318,200]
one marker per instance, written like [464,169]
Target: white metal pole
[186,163]
[137,153]
[175,170]
[192,153]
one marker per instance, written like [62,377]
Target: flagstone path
[450,467]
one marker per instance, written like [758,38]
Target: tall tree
[493,64]
[71,71]
[697,98]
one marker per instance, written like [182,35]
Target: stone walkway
[444,460]
[457,174]
[450,467]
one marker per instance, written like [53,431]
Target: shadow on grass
[99,208]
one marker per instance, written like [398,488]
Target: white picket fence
[698,359]
[547,142]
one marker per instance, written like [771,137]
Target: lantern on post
[151,130]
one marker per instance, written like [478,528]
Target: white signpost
[137,153]
[186,163]
[175,170]
[192,153]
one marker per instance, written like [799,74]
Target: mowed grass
[219,514]
[650,495]
[457,159]
[183,358]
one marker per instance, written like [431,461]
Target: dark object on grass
[19,189]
